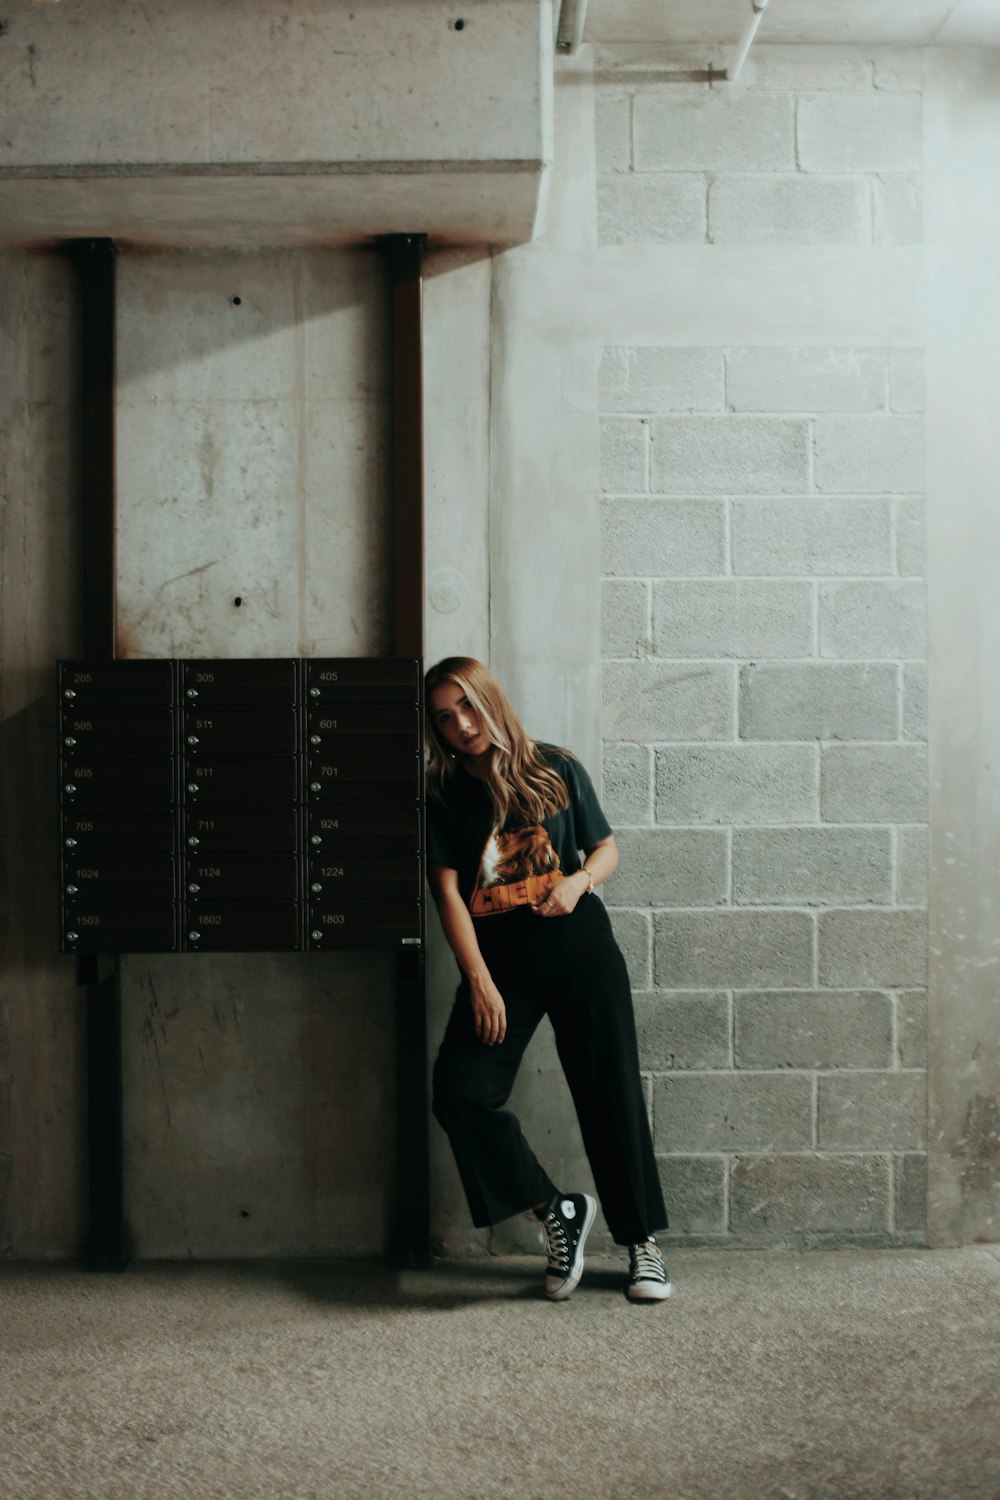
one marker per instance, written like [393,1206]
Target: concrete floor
[768,1374]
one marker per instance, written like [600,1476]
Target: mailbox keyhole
[238,600]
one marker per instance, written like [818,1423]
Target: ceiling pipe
[746,40]
[569,32]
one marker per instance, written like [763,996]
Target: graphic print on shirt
[518,867]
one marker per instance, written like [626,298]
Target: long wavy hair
[517,779]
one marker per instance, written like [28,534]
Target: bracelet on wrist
[590,877]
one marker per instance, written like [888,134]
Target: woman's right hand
[489,1012]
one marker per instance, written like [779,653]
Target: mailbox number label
[329,677]
[210,921]
[204,677]
[83,677]
[327,723]
[333,919]
[209,872]
[329,822]
[332,872]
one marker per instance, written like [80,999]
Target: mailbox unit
[232,806]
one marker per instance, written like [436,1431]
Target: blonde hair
[517,779]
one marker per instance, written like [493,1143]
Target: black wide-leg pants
[571,969]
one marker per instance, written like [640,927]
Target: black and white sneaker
[566,1225]
[647,1276]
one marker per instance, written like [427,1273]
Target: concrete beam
[197,123]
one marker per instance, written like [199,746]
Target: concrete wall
[707,397]
[253,467]
[698,393]
[252,432]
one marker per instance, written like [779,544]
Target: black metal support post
[106,1246]
[95,260]
[405,259]
[404,255]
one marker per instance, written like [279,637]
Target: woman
[506,821]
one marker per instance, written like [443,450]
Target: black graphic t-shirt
[500,869]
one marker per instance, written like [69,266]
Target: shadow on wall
[260,1104]
[220,313]
[42,1052]
[29,915]
[197,307]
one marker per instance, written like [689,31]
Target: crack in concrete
[150,1034]
[191,572]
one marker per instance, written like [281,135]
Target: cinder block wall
[764,678]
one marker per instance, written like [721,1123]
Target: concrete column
[963,396]
[545,534]
[513,542]
[457,300]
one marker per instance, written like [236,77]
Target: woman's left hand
[561,899]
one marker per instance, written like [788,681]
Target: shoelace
[557,1242]
[647,1262]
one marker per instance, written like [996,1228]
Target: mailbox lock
[194,936]
[70,788]
[71,843]
[71,890]
[193,739]
[70,741]
[314,786]
[192,786]
[314,935]
[315,887]
[69,693]
[192,692]
[72,937]
[194,842]
[194,889]
[314,692]
[315,839]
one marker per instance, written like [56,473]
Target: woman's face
[457,721]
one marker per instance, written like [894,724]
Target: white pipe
[746,40]
[572,44]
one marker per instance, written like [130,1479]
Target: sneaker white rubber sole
[556,1290]
[648,1291]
